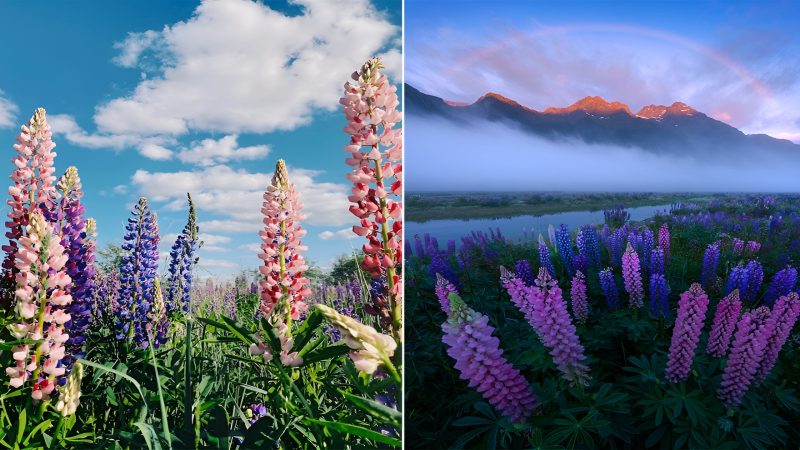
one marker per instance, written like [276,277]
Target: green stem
[396,308]
[164,423]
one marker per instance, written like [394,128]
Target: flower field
[137,351]
[676,332]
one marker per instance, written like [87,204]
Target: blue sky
[158,98]
[736,61]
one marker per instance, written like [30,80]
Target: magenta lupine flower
[519,293]
[33,189]
[580,307]
[632,275]
[784,313]
[443,290]
[556,330]
[375,154]
[724,323]
[688,325]
[738,246]
[752,248]
[42,302]
[480,361]
[663,240]
[745,356]
[281,247]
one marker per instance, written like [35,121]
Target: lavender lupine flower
[781,284]
[784,314]
[659,295]
[181,260]
[632,276]
[738,246]
[77,238]
[609,287]
[580,307]
[524,271]
[580,263]
[657,261]
[480,360]
[440,264]
[686,333]
[106,297]
[443,290]
[710,262]
[519,293]
[544,257]
[752,248]
[737,279]
[648,244]
[615,246]
[137,272]
[552,323]
[724,323]
[565,248]
[663,240]
[745,356]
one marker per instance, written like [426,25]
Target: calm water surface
[519,227]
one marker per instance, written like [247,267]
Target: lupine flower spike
[609,287]
[663,240]
[181,261]
[70,396]
[544,257]
[443,290]
[724,323]
[479,360]
[632,276]
[580,307]
[376,146]
[784,313]
[659,295]
[686,334]
[745,356]
[42,301]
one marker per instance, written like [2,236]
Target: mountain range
[675,129]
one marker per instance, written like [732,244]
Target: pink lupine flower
[33,186]
[745,356]
[580,307]
[281,247]
[443,290]
[519,293]
[724,323]
[480,361]
[784,314]
[663,240]
[42,300]
[632,275]
[688,326]
[556,330]
[376,142]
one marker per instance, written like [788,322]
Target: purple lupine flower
[552,323]
[755,276]
[418,248]
[479,359]
[635,239]
[565,248]
[648,244]
[632,276]
[592,246]
[784,314]
[551,235]
[659,295]
[580,263]
[580,241]
[440,264]
[518,291]
[781,284]
[451,247]
[544,257]
[738,246]
[686,333]
[182,260]
[724,323]
[663,240]
[609,287]
[443,290]
[657,261]
[752,248]
[137,272]
[580,307]
[710,261]
[745,356]
[524,271]
[106,297]
[615,246]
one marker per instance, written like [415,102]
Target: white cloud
[214,243]
[121,189]
[155,151]
[251,247]
[209,151]
[66,125]
[344,233]
[239,66]
[237,195]
[8,112]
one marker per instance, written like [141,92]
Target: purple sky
[736,61]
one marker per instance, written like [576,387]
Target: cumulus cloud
[209,152]
[755,88]
[237,194]
[214,243]
[8,112]
[156,152]
[344,233]
[239,66]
